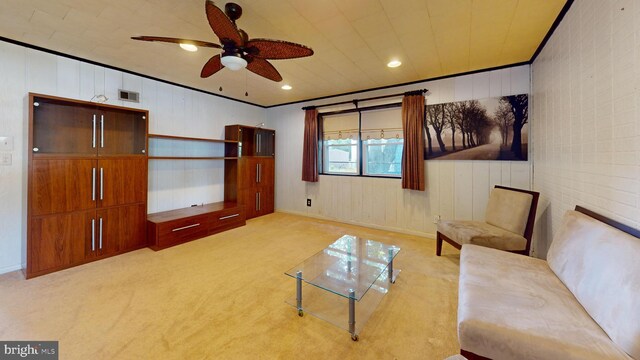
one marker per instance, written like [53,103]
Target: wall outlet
[436,219]
[5,158]
[309,202]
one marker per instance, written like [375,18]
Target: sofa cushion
[514,307]
[601,266]
[479,233]
[509,210]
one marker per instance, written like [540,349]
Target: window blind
[382,124]
[342,126]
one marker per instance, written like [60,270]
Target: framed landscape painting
[486,129]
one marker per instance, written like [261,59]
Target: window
[340,144]
[341,156]
[368,143]
[382,157]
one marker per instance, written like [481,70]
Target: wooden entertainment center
[250,180]
[87,183]
[174,227]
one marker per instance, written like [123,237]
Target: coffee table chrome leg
[299,292]
[390,267]
[352,315]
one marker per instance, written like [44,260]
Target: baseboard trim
[373,226]
[8,269]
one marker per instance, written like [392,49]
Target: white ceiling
[353,39]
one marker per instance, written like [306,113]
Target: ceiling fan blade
[278,49]
[221,25]
[211,67]
[263,68]
[177,41]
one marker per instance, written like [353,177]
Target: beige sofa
[582,303]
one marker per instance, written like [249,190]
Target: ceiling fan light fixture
[394,63]
[238,50]
[286,87]
[188,47]
[234,62]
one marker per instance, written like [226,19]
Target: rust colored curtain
[413,150]
[310,146]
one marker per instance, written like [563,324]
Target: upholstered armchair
[508,223]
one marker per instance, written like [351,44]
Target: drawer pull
[93,234]
[186,227]
[229,216]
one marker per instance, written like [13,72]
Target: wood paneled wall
[173,110]
[455,189]
[587,115]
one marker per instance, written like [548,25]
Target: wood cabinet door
[107,229]
[265,142]
[247,172]
[57,241]
[265,200]
[120,228]
[246,136]
[122,132]
[59,186]
[122,181]
[249,198]
[266,171]
[133,231]
[64,128]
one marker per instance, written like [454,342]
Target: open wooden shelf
[170,137]
[193,140]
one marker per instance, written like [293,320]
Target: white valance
[342,126]
[382,124]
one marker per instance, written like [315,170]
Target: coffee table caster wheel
[300,313]
[354,337]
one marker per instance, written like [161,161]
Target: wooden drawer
[173,227]
[227,219]
[182,230]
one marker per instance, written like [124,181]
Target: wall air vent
[128,95]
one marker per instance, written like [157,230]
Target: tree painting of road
[487,129]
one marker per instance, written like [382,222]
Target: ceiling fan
[238,51]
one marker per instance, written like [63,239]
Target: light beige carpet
[222,297]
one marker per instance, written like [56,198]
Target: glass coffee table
[336,278]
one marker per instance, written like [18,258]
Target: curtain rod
[356,101]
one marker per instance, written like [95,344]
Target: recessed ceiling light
[394,63]
[188,47]
[286,87]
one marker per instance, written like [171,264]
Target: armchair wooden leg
[438,244]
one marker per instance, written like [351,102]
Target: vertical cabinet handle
[257,173]
[93,234]
[93,133]
[100,238]
[101,131]
[101,183]
[93,185]
[259,204]
[257,201]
